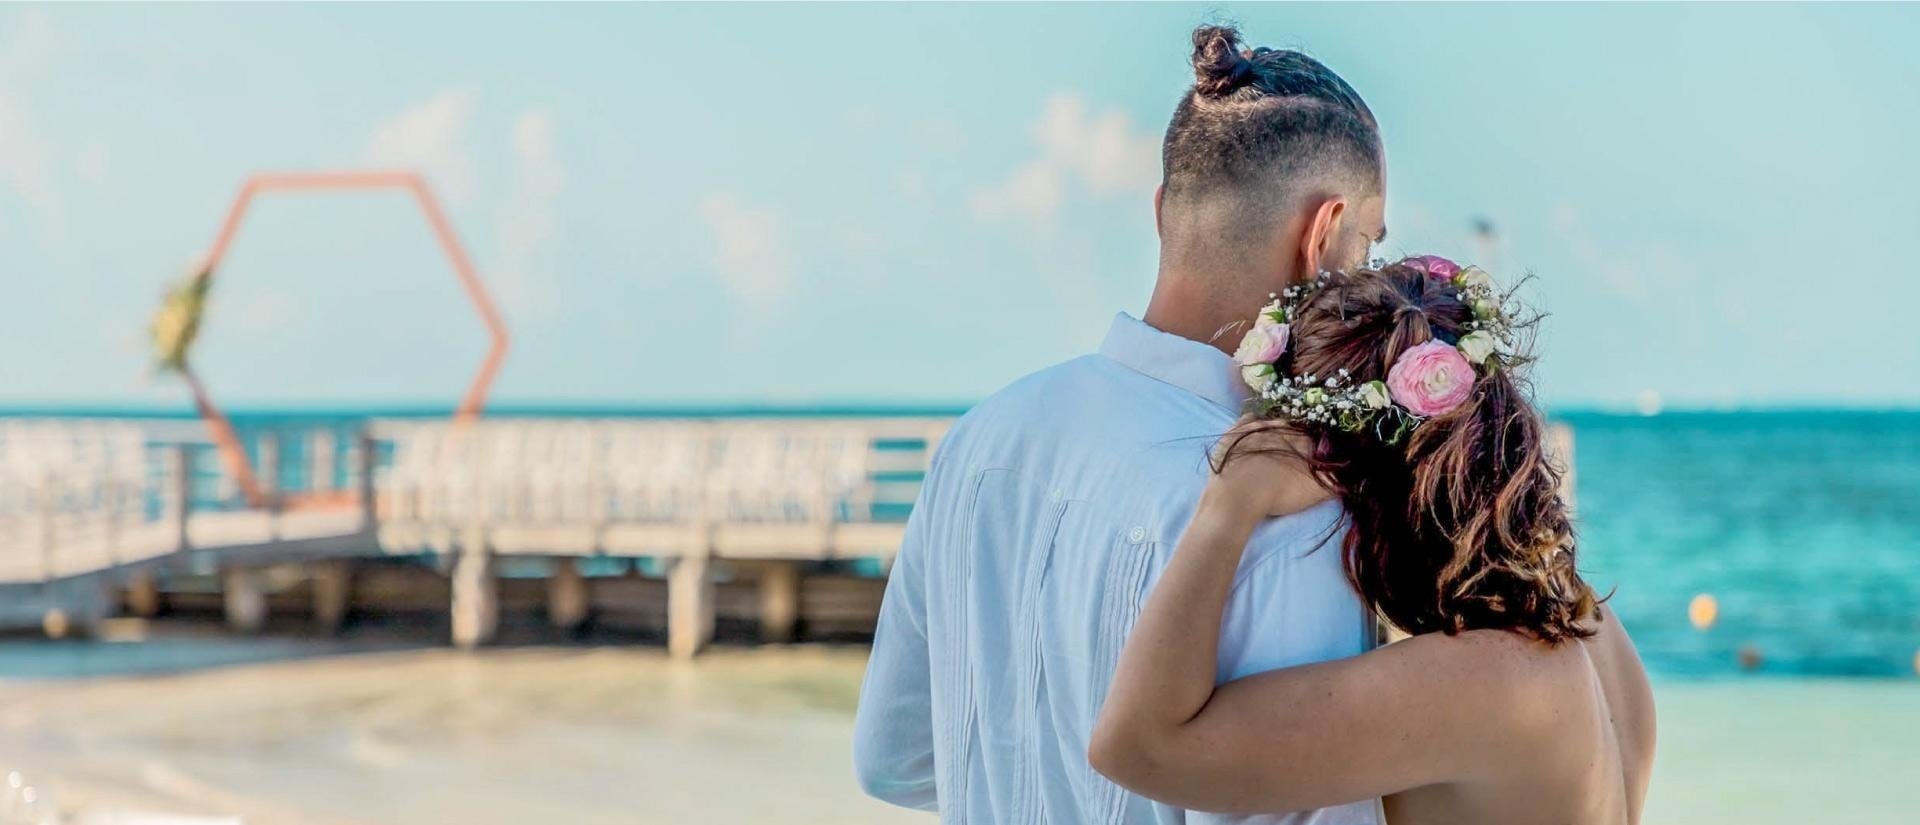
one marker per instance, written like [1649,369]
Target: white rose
[1472,277]
[1258,376]
[1476,346]
[1486,309]
[1374,395]
[1262,345]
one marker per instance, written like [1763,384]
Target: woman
[1517,698]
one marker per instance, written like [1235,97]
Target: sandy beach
[612,735]
[622,734]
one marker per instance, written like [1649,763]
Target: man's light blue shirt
[1046,516]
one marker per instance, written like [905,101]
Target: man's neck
[1180,306]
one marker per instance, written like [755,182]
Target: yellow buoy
[1703,610]
[55,623]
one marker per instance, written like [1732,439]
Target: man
[1051,507]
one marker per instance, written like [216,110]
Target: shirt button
[1139,534]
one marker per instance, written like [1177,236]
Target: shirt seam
[1231,408]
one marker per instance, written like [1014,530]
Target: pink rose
[1434,265]
[1430,379]
[1262,345]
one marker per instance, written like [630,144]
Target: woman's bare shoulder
[1498,652]
[1629,693]
[1518,682]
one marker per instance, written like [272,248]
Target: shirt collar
[1181,362]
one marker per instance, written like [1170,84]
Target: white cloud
[430,137]
[25,164]
[529,225]
[751,249]
[1099,153]
[436,137]
[1101,148]
[1032,194]
[32,43]
[1616,272]
[28,51]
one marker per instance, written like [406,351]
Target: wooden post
[476,593]
[332,582]
[177,499]
[268,448]
[269,451]
[566,595]
[365,457]
[689,577]
[243,593]
[143,595]
[320,463]
[689,605]
[779,600]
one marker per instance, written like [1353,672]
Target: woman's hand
[1261,472]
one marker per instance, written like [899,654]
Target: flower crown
[1426,380]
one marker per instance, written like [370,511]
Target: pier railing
[685,493]
[70,498]
[751,488]
[97,512]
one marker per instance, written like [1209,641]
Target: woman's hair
[1459,525]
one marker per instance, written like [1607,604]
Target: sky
[868,204]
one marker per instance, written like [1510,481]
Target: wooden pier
[670,524]
[736,518]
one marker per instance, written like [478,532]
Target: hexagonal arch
[474,401]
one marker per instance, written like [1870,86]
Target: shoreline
[594,733]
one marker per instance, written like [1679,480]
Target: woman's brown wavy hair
[1460,525]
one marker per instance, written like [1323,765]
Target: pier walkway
[744,517]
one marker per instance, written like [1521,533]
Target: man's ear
[1159,193]
[1322,228]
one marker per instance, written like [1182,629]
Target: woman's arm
[1165,673]
[1427,710]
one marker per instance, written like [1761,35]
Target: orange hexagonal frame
[472,403]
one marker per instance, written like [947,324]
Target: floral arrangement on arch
[1426,380]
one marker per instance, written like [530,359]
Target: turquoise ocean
[1804,526]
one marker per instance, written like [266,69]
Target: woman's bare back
[1587,766]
